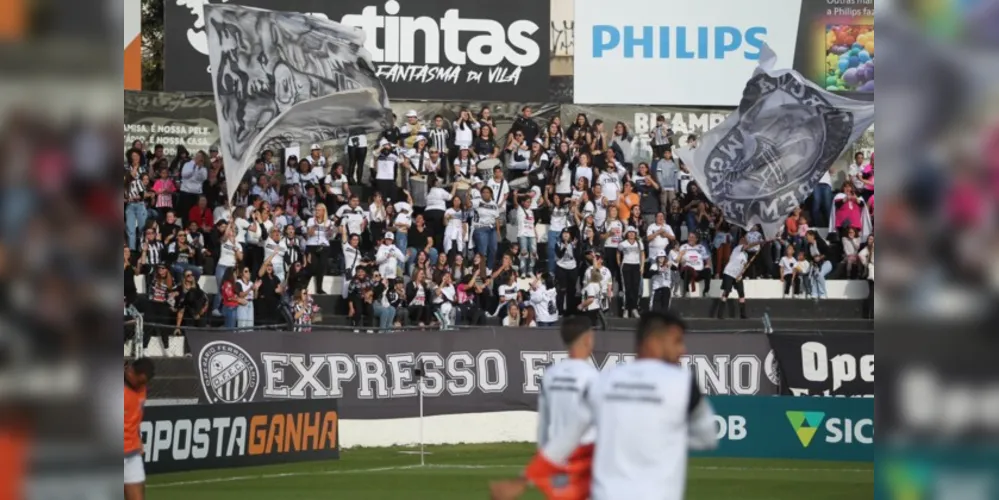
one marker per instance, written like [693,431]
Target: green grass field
[463,472]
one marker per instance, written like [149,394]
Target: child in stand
[787,264]
[802,276]
[660,275]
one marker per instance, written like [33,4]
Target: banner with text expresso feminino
[421,49]
[466,371]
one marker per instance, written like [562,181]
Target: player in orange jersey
[137,374]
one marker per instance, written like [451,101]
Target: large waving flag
[766,158]
[282,77]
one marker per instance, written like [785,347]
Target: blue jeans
[819,279]
[385,315]
[135,220]
[485,243]
[528,254]
[553,237]
[229,313]
[219,273]
[821,205]
[691,223]
[401,241]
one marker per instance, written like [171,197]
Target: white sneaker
[216,313]
[625,314]
[635,314]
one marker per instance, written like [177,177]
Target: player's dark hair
[144,366]
[574,327]
[653,322]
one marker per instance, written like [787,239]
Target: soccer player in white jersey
[559,403]
[647,415]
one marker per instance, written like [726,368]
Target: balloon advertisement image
[836,47]
[850,58]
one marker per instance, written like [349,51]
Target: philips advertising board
[674,52]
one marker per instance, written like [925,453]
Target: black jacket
[528,126]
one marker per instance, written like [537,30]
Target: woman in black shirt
[266,306]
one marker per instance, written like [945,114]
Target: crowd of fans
[441,225]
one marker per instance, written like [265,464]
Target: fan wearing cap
[660,276]
[388,257]
[386,169]
[418,156]
[317,161]
[412,129]
[631,259]
[692,265]
[463,165]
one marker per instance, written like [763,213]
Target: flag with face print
[767,157]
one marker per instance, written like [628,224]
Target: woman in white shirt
[246,289]
[419,157]
[561,176]
[337,186]
[737,265]
[462,165]
[559,221]
[660,275]
[437,202]
[230,253]
[318,231]
[543,299]
[583,169]
[692,266]
[455,228]
[507,294]
[590,306]
[631,259]
[378,218]
[512,316]
[613,236]
[851,248]
[565,272]
[527,237]
[465,128]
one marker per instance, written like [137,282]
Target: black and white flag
[282,77]
[767,157]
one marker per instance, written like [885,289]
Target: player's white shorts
[135,470]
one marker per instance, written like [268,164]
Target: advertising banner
[828,365]
[794,428]
[465,371]
[194,437]
[171,119]
[133,45]
[704,56]
[423,49]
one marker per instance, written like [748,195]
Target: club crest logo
[228,373]
[787,136]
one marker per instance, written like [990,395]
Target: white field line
[257,477]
